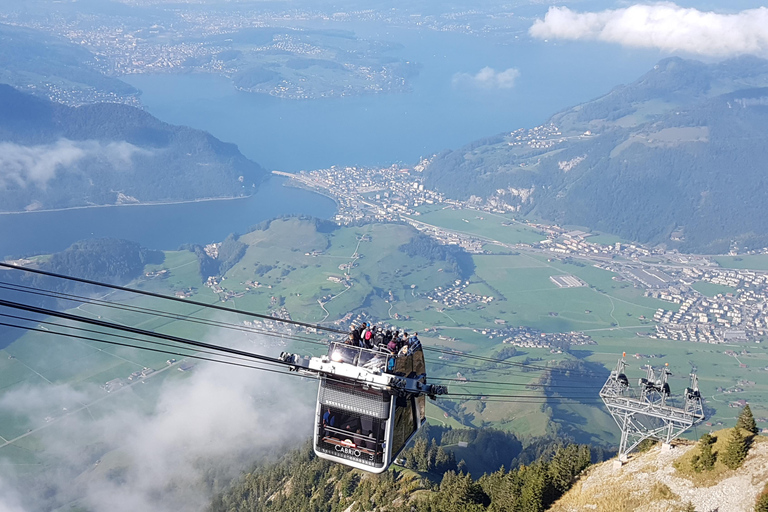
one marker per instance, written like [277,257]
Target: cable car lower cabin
[370,403]
[365,429]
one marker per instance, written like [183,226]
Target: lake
[378,129]
[158,226]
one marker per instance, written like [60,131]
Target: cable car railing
[371,359]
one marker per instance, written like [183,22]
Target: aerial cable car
[370,402]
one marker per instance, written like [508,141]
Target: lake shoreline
[161,225]
[154,203]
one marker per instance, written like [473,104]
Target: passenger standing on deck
[414,343]
[378,338]
[392,346]
[355,336]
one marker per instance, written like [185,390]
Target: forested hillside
[47,65]
[108,260]
[55,156]
[680,150]
[300,481]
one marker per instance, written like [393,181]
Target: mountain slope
[682,150]
[55,156]
[650,482]
[49,66]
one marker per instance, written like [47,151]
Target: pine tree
[459,493]
[563,467]
[705,459]
[689,507]
[736,450]
[747,420]
[537,491]
[432,455]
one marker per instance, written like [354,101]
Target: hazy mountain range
[55,156]
[50,66]
[676,157]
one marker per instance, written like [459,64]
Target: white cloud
[10,500]
[665,26]
[214,423]
[37,165]
[488,78]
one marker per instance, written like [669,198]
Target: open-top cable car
[370,403]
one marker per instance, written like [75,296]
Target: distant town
[395,193]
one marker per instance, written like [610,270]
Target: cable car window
[421,409]
[351,436]
[405,424]
[349,354]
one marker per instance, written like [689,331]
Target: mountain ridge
[56,156]
[657,481]
[676,151]
[52,67]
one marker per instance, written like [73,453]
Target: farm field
[493,226]
[711,289]
[322,275]
[747,261]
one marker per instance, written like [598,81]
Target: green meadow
[492,226]
[298,268]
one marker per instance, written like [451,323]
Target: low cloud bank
[37,165]
[665,26]
[203,430]
[488,78]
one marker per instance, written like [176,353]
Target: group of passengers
[372,337]
[347,429]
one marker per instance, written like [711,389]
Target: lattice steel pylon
[649,412]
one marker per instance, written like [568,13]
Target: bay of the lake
[445,109]
[165,226]
[440,112]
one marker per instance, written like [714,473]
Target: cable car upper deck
[376,368]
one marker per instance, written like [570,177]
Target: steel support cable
[180,354]
[533,392]
[192,319]
[150,349]
[268,317]
[215,323]
[122,336]
[499,371]
[141,332]
[93,331]
[491,395]
[483,397]
[528,400]
[468,396]
[472,384]
[181,317]
[154,312]
[459,382]
[503,361]
[167,297]
[590,401]
[236,327]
